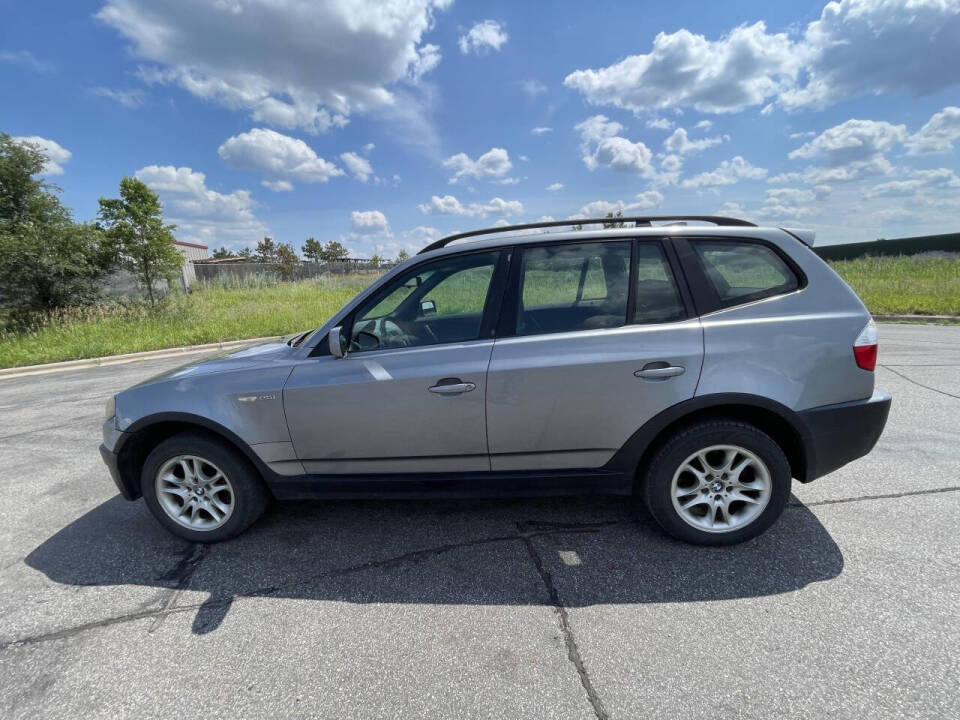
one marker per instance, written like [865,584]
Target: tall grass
[234,309]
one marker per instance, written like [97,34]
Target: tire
[214,513]
[683,487]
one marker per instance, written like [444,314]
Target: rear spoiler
[804,236]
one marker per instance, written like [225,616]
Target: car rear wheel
[719,482]
[202,489]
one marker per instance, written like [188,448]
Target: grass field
[900,285]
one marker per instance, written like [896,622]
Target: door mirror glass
[338,342]
[428,307]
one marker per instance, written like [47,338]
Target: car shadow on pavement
[570,551]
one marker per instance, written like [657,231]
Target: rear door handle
[452,386]
[660,373]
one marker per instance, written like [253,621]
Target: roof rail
[637,222]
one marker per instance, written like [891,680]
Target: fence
[212,272]
[949,242]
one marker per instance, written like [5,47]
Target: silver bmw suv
[695,363]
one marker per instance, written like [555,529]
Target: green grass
[215,313]
[904,285]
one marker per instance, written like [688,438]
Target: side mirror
[337,342]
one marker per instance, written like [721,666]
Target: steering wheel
[391,334]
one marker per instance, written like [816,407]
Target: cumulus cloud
[679,142]
[369,221]
[644,201]
[449,205]
[728,173]
[358,166]
[937,135]
[277,185]
[541,130]
[495,163]
[852,141]
[920,180]
[203,215]
[288,63]
[553,187]
[602,146]
[279,156]
[485,36]
[659,123]
[855,47]
[57,155]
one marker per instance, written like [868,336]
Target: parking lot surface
[555,608]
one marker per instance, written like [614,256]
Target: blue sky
[386,124]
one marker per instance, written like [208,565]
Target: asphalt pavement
[552,608]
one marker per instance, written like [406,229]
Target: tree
[266,251]
[614,224]
[222,253]
[376,261]
[144,243]
[287,260]
[312,250]
[402,255]
[47,261]
[333,251]
[245,253]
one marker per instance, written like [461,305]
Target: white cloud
[541,130]
[27,59]
[852,141]
[277,185]
[485,36]
[855,48]
[728,173]
[449,205]
[279,156]
[683,69]
[602,146]
[925,180]
[57,155]
[554,187]
[290,63]
[358,166]
[704,125]
[860,47]
[680,143]
[937,135]
[201,214]
[802,135]
[659,123]
[127,98]
[644,201]
[368,148]
[369,221]
[494,163]
[671,163]
[790,195]
[533,87]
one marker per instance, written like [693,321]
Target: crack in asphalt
[563,619]
[919,384]
[527,531]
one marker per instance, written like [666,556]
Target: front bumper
[113,465]
[113,440]
[838,434]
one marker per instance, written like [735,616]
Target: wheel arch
[778,421]
[148,432]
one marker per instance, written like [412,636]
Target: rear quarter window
[741,272]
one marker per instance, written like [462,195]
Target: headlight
[110,409]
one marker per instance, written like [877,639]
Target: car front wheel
[202,489]
[719,482]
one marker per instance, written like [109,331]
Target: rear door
[594,340]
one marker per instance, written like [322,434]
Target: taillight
[865,347]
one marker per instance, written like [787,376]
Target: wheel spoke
[202,499]
[180,492]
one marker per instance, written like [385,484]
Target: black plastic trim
[844,432]
[112,462]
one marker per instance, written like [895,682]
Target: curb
[926,319]
[25,370]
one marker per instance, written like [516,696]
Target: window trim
[491,303]
[706,297]
[507,324]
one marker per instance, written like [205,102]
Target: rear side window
[744,271]
[573,287]
[657,297]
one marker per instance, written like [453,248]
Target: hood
[263,354]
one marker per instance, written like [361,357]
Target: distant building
[191,253]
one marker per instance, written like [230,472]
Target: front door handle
[452,386]
[660,373]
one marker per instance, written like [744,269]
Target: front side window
[573,287]
[744,271]
[438,302]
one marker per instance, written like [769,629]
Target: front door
[590,361]
[409,395]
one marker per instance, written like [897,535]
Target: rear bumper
[838,434]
